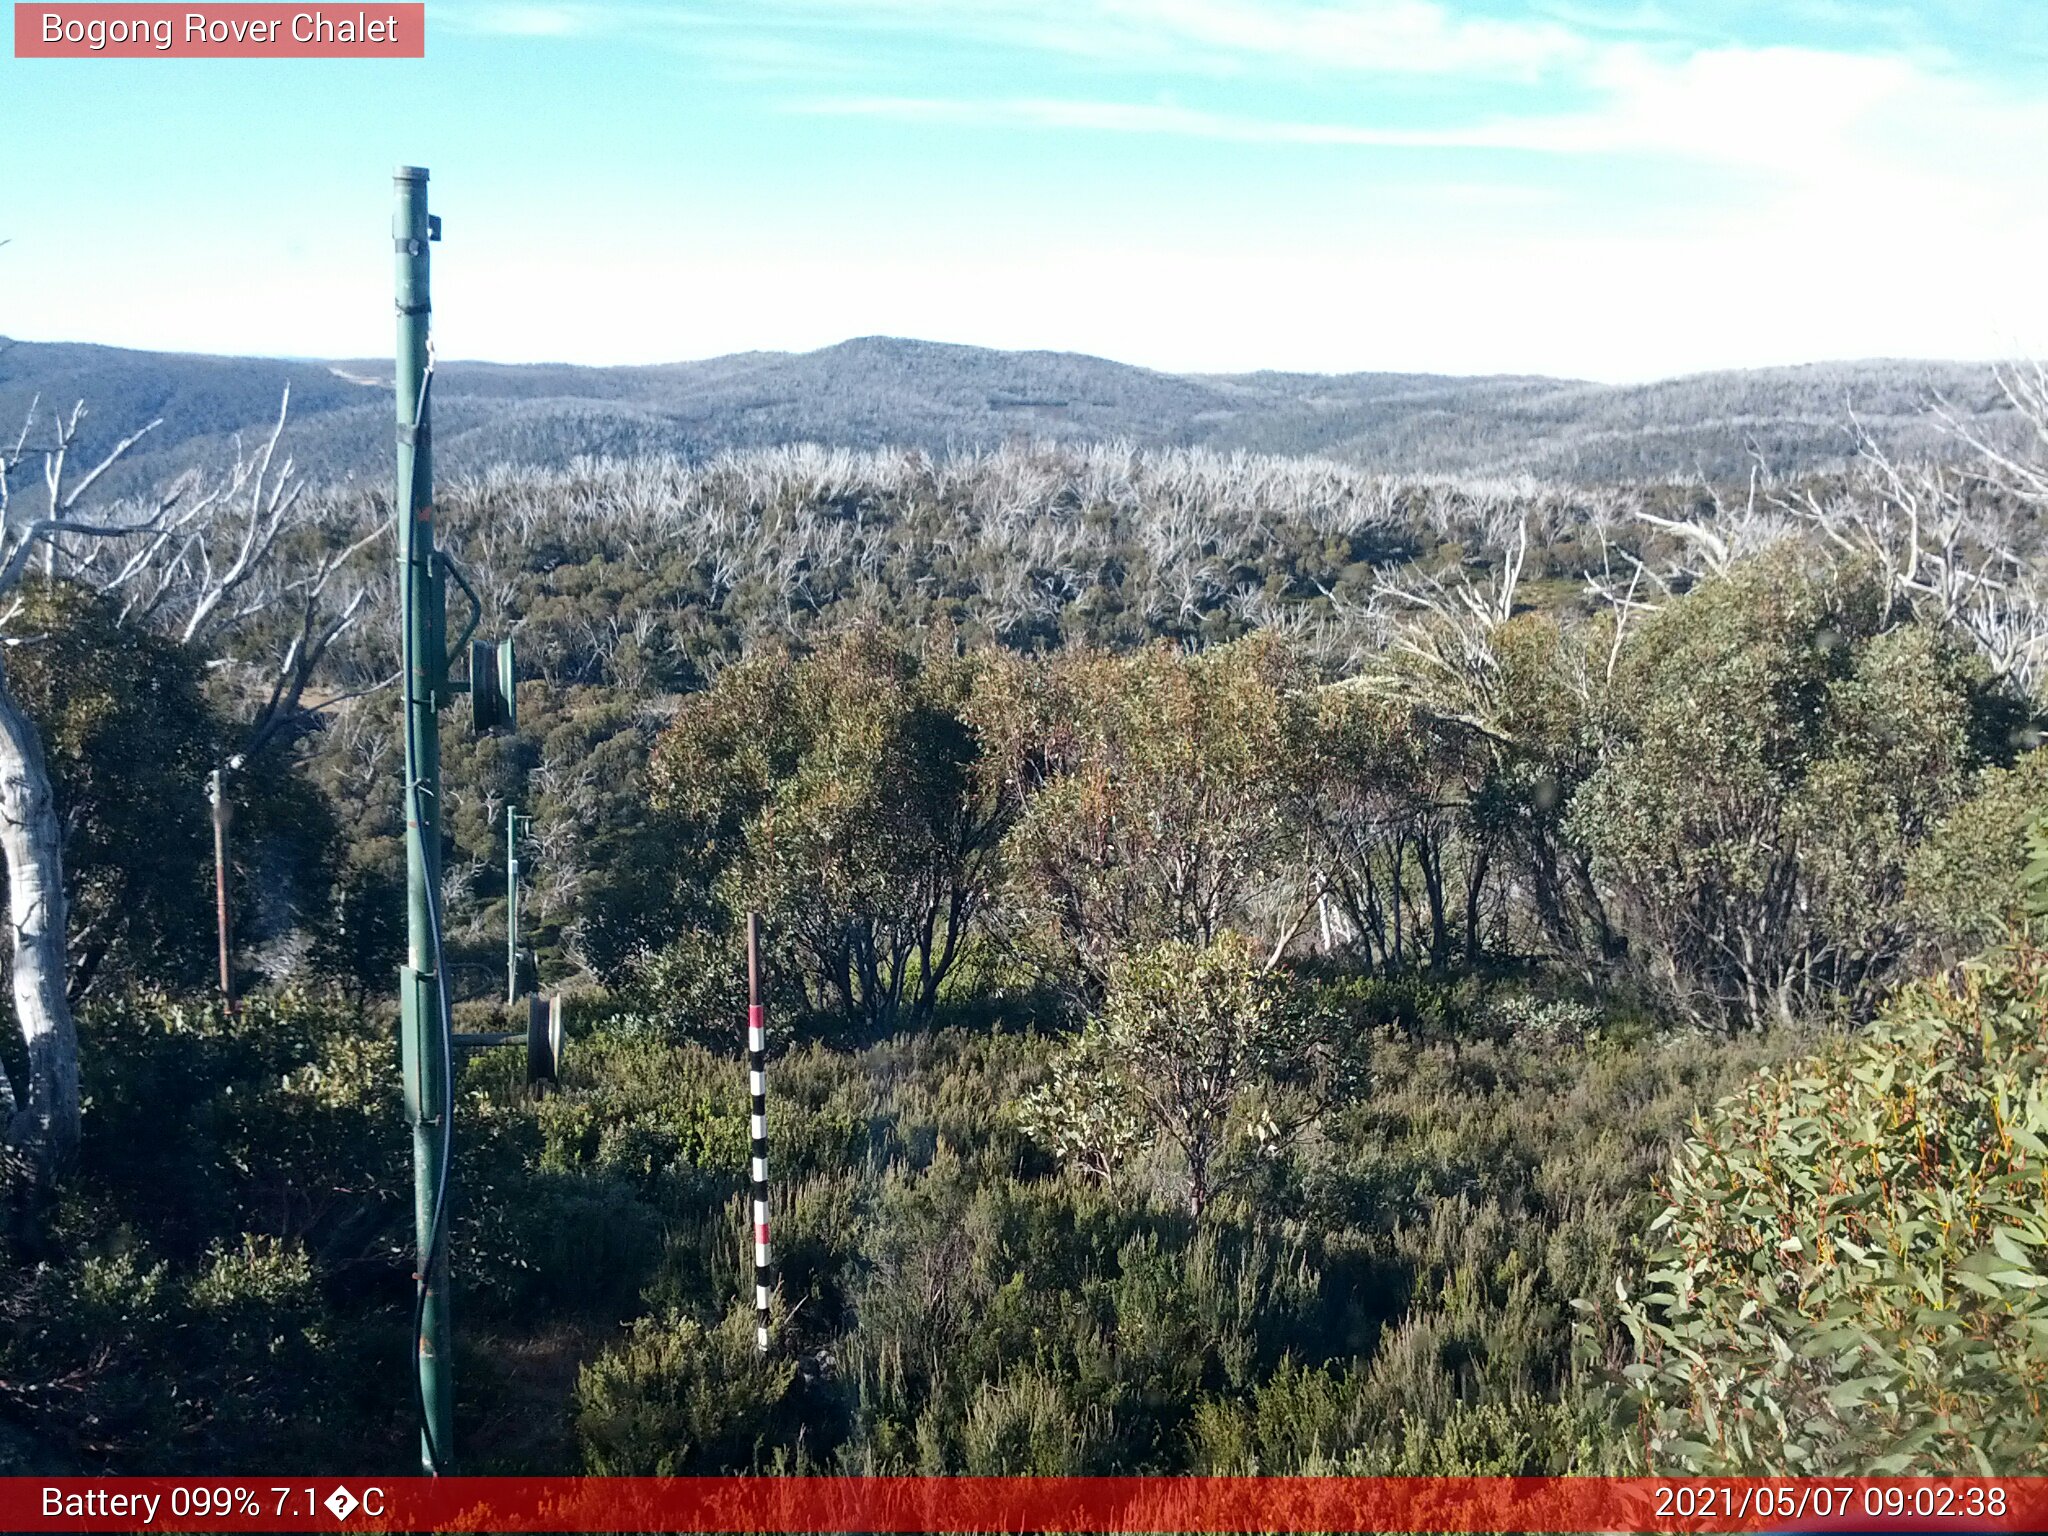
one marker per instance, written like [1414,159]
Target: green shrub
[1022,1426]
[693,987]
[1784,742]
[260,1277]
[1188,1037]
[1387,1294]
[847,796]
[541,1244]
[1966,884]
[1855,1270]
[1298,1420]
[675,1397]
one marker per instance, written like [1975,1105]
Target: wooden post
[757,1088]
[216,789]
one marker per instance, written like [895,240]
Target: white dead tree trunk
[41,1120]
[42,1112]
[188,563]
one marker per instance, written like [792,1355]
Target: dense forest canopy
[1273,967]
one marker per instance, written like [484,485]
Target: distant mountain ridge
[879,390]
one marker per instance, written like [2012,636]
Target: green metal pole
[512,820]
[424,1042]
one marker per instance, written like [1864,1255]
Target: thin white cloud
[1385,36]
[1769,107]
[1375,36]
[1110,117]
[1801,115]
[1645,19]
[523,20]
[1372,36]
[721,41]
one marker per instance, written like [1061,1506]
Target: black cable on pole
[437,1230]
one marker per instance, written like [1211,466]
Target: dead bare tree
[1952,542]
[253,550]
[199,562]
[41,1115]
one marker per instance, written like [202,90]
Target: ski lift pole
[425,1046]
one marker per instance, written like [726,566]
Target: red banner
[992,1504]
[236,31]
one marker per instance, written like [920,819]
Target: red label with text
[240,31]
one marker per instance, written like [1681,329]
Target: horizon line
[314,359]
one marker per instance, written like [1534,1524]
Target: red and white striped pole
[757,1088]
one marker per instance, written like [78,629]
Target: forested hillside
[1271,966]
[881,391]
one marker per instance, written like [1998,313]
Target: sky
[1604,191]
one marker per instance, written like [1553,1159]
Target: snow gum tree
[195,565]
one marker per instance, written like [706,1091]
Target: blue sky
[1609,191]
